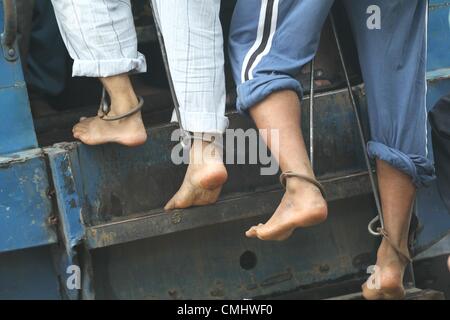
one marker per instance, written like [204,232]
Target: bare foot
[390,273]
[203,180]
[302,206]
[129,131]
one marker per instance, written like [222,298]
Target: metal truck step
[234,207]
[411,294]
[116,194]
[151,177]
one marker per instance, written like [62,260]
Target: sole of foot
[201,186]
[390,271]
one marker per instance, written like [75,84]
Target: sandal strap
[104,115]
[289,174]
[405,255]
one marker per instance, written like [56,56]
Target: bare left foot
[203,180]
[391,270]
[129,131]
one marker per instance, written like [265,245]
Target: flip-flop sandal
[105,108]
[290,174]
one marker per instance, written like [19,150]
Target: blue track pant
[271,40]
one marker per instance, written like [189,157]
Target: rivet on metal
[176,218]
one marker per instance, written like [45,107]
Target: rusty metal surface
[411,294]
[234,207]
[121,191]
[219,262]
[151,178]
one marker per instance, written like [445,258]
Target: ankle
[204,152]
[386,251]
[297,185]
[122,103]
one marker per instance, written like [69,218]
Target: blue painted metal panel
[439,35]
[25,207]
[433,215]
[16,124]
[117,181]
[64,166]
[28,274]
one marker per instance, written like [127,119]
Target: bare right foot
[302,206]
[391,270]
[203,180]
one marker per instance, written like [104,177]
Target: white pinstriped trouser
[100,37]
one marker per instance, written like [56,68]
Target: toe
[84,122]
[170,205]
[78,131]
[370,294]
[250,233]
[79,126]
[85,138]
[253,231]
[181,200]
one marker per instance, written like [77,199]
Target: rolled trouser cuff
[418,167]
[256,90]
[109,67]
[204,122]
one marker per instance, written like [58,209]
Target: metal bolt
[52,220]
[324,268]
[11,52]
[50,193]
[176,218]
[173,293]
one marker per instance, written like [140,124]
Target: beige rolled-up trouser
[101,38]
